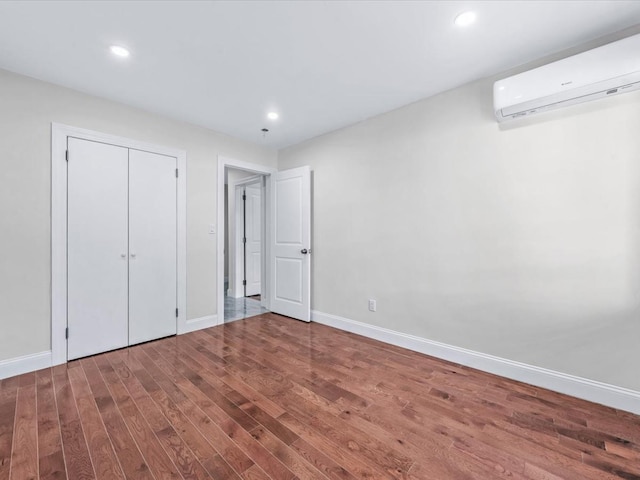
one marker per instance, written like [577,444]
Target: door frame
[59,134]
[223,163]
[236,257]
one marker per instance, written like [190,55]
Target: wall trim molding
[199,323]
[24,364]
[591,390]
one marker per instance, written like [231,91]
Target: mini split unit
[608,70]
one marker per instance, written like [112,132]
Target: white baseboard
[591,390]
[36,361]
[27,363]
[199,323]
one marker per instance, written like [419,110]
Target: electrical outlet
[372,305]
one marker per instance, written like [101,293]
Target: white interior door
[152,246]
[290,291]
[97,292]
[253,233]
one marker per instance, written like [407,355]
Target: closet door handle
[123,255]
[133,255]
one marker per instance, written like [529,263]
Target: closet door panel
[97,292]
[152,246]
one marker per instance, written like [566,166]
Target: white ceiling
[321,64]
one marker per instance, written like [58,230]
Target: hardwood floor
[273,398]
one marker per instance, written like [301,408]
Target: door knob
[133,255]
[304,251]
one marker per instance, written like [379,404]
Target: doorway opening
[285,267]
[245,240]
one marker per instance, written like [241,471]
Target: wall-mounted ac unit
[598,73]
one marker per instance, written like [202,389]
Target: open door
[252,240]
[290,292]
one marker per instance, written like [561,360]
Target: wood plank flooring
[273,398]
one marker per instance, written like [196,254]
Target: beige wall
[27,108]
[521,242]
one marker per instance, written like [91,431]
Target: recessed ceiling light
[272,116]
[119,51]
[465,19]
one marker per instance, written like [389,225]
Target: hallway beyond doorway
[243,307]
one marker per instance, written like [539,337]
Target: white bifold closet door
[121,247]
[97,257]
[152,246]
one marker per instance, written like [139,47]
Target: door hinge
[66,333]
[244,282]
[244,197]
[66,155]
[176,173]
[244,239]
[176,312]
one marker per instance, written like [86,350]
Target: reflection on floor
[243,307]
